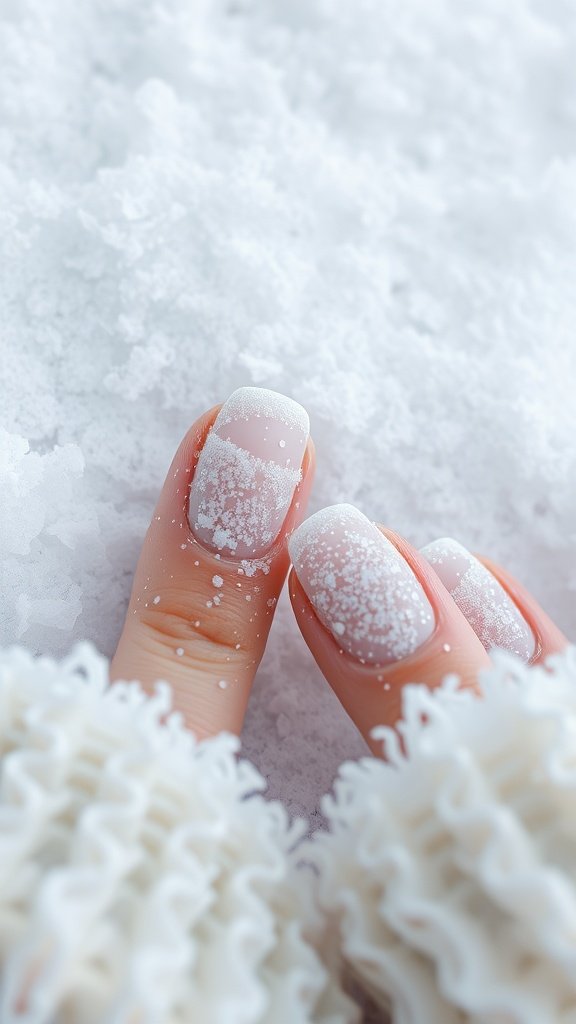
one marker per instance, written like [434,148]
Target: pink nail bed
[247,473]
[493,615]
[360,586]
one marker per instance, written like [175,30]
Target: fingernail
[493,615]
[360,586]
[247,473]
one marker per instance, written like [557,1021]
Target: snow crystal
[367,206]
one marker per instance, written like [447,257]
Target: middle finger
[375,615]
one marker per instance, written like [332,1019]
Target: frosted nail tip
[360,586]
[491,612]
[248,403]
[244,484]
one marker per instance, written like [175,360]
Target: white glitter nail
[242,489]
[361,587]
[493,615]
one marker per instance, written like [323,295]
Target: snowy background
[369,205]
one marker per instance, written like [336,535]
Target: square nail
[492,614]
[247,473]
[360,586]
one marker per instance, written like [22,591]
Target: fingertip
[499,609]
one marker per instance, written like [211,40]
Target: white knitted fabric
[143,878]
[451,870]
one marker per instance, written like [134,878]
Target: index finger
[214,559]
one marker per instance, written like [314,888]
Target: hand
[375,613]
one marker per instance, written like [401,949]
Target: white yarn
[143,878]
[451,870]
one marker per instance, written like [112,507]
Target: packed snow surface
[367,205]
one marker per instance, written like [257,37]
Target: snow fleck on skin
[217,581]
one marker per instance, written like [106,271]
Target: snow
[366,205]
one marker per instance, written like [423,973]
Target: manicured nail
[360,586]
[493,615]
[247,473]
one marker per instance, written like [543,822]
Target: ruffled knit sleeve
[144,879]
[449,872]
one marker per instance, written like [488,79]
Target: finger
[375,615]
[215,559]
[500,610]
